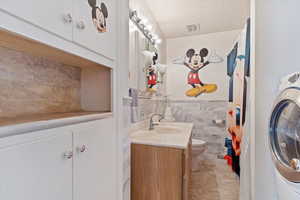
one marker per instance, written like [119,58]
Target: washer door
[285,134]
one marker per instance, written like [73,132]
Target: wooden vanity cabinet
[160,173]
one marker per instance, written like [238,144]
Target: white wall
[177,85]
[277,53]
[121,91]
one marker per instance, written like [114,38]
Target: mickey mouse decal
[151,74]
[99,15]
[195,62]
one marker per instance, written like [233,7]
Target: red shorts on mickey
[152,79]
[193,78]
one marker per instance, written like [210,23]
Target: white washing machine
[284,138]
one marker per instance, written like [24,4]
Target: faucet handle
[152,124]
[160,116]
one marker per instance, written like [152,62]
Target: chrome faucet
[152,124]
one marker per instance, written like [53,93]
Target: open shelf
[51,116]
[31,123]
[42,84]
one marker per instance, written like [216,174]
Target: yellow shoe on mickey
[152,90]
[210,88]
[194,92]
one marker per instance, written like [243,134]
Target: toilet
[198,148]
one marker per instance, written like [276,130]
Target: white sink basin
[161,129]
[166,130]
[165,134]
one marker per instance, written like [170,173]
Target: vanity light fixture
[144,27]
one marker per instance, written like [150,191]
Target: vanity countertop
[166,134]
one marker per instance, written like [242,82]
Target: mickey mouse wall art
[195,61]
[151,74]
[99,15]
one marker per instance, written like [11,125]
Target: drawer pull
[68,155]
[81,25]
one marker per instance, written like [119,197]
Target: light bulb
[155,37]
[158,41]
[149,27]
[144,21]
[132,27]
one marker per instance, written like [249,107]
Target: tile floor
[213,180]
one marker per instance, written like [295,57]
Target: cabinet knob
[68,155]
[81,25]
[68,18]
[82,149]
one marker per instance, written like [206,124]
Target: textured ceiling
[211,15]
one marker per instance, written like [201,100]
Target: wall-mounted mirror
[146,74]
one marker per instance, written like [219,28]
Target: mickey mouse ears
[204,52]
[104,10]
[92,3]
[190,53]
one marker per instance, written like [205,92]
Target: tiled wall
[202,114]
[143,107]
[34,85]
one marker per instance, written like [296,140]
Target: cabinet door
[95,23]
[95,161]
[156,173]
[54,16]
[33,166]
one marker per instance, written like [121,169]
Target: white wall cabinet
[33,167]
[95,161]
[87,34]
[76,162]
[54,16]
[71,20]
